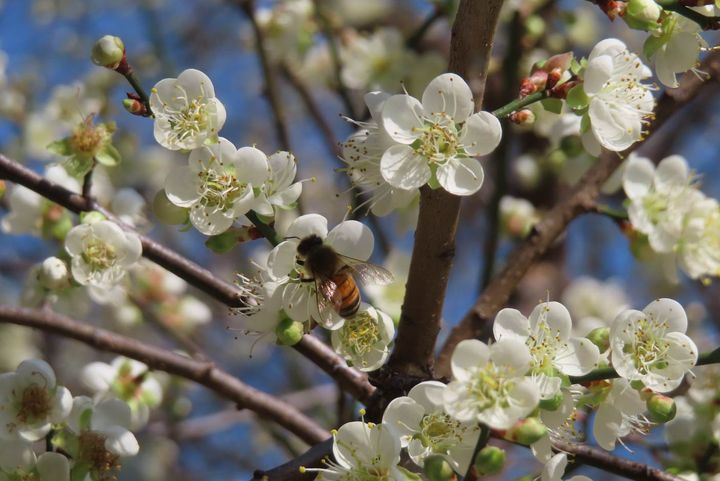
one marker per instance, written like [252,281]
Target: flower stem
[135,84]
[711,357]
[482,441]
[265,229]
[519,104]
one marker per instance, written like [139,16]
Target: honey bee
[334,276]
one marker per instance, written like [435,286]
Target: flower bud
[289,332]
[523,117]
[490,460]
[436,468]
[108,52]
[526,431]
[661,408]
[91,217]
[553,403]
[134,106]
[167,212]
[600,337]
[642,14]
[54,274]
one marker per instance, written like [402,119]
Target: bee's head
[307,244]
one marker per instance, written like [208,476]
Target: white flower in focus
[364,339]
[218,184]
[363,151]
[129,380]
[489,384]
[103,433]
[651,346]
[299,298]
[101,253]
[554,469]
[438,139]
[279,189]
[29,212]
[31,401]
[187,114]
[619,101]
[594,303]
[18,461]
[370,452]
[619,414]
[659,198]
[376,61]
[553,351]
[420,422]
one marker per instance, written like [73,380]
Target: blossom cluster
[527,387]
[86,437]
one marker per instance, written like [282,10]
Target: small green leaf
[552,105]
[577,98]
[61,147]
[222,243]
[109,156]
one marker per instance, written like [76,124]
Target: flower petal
[306,225]
[481,134]
[402,117]
[352,239]
[181,187]
[469,354]
[461,176]
[252,166]
[638,176]
[510,323]
[668,311]
[448,94]
[402,168]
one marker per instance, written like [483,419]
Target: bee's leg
[311,279]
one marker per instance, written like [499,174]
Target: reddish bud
[134,106]
[612,8]
[561,91]
[524,116]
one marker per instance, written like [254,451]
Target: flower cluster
[679,223]
[86,438]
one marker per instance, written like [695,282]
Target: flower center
[99,255]
[543,344]
[87,139]
[440,432]
[189,121]
[490,387]
[648,350]
[104,464]
[439,141]
[220,189]
[656,205]
[360,333]
[34,405]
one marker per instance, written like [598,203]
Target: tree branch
[195,275]
[477,322]
[434,247]
[205,373]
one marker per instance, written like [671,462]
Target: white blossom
[18,461]
[364,339]
[420,422]
[619,413]
[279,190]
[186,112]
[675,48]
[102,425]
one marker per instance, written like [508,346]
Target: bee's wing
[329,300]
[366,272]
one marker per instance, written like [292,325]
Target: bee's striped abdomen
[350,293]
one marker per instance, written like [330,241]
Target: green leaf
[577,98]
[222,243]
[552,105]
[409,475]
[109,156]
[61,147]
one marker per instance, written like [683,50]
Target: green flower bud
[490,460]
[436,468]
[91,217]
[642,14]
[572,145]
[167,212]
[553,403]
[108,52]
[600,337]
[527,431]
[289,332]
[661,408]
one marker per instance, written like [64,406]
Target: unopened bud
[54,274]
[108,52]
[522,117]
[289,332]
[167,212]
[600,337]
[561,61]
[490,460]
[553,403]
[642,14]
[526,431]
[91,217]
[612,8]
[661,408]
[134,106]
[436,468]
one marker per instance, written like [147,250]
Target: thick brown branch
[434,248]
[195,275]
[204,373]
[477,321]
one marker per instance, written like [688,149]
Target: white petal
[555,468]
[481,134]
[510,323]
[196,84]
[511,353]
[606,426]
[672,173]
[598,72]
[401,167]
[608,46]
[74,239]
[210,222]
[461,176]
[578,357]
[111,412]
[667,311]
[402,117]
[403,416]
[375,101]
[252,166]
[120,441]
[449,94]
[281,260]
[590,143]
[352,239]
[638,177]
[53,467]
[555,316]
[469,354]
[16,455]
[62,405]
[429,394]
[35,371]
[306,225]
[356,444]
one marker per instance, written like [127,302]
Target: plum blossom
[366,451]
[187,114]
[279,189]
[420,422]
[650,346]
[364,339]
[618,414]
[674,48]
[547,334]
[489,383]
[618,101]
[217,185]
[298,293]
[102,427]
[31,401]
[101,253]
[18,461]
[437,140]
